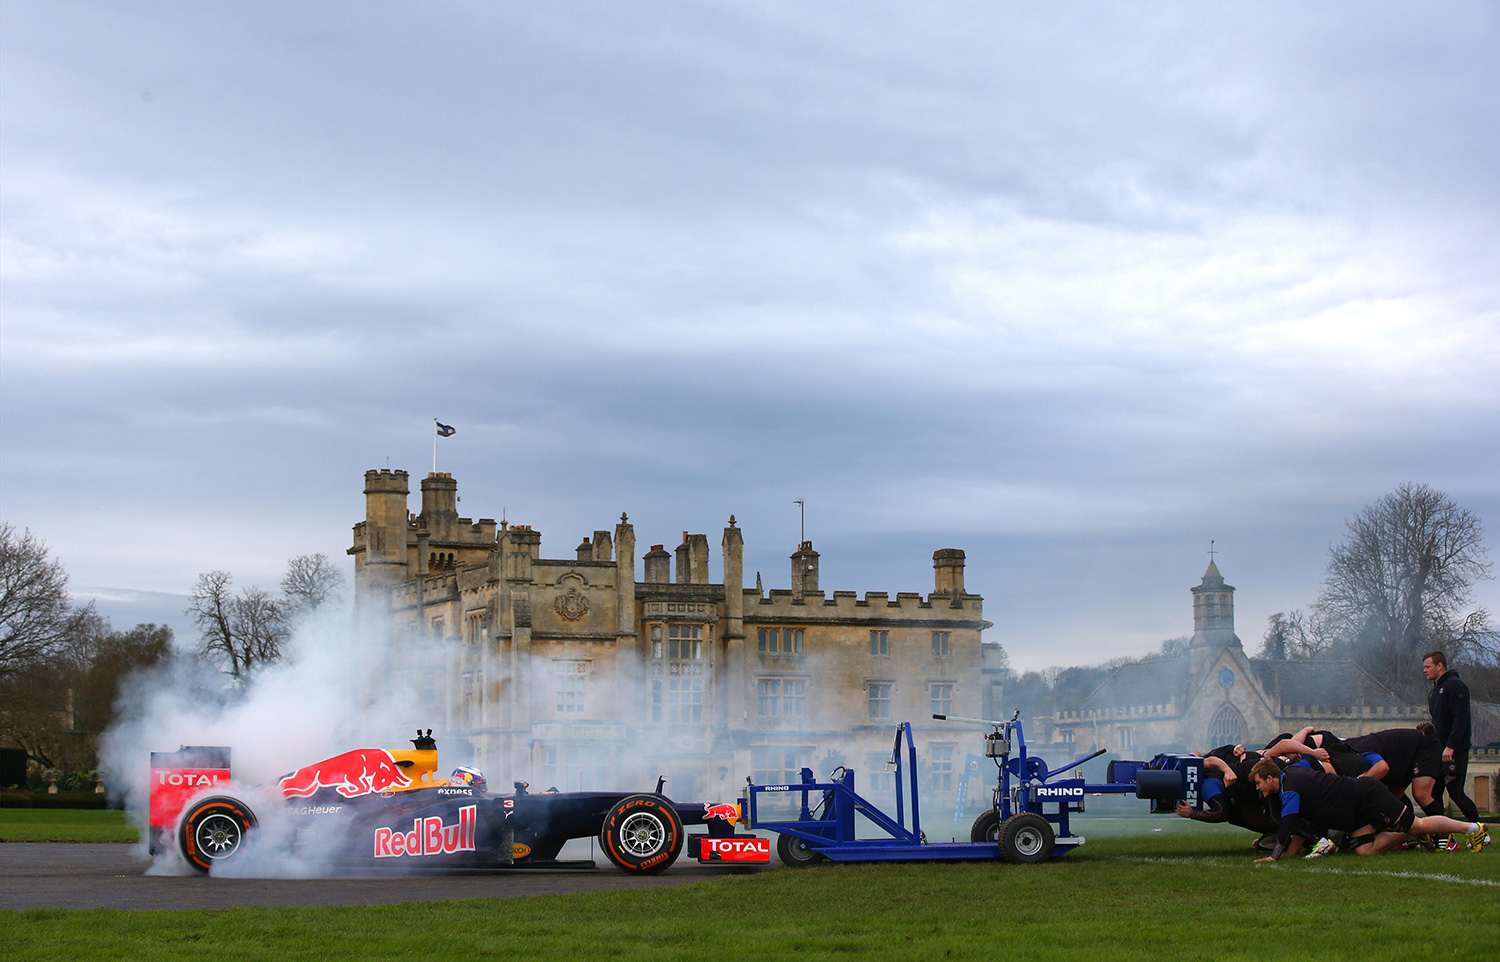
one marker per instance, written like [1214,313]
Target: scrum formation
[1316,791]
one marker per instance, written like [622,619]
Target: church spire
[1213,611]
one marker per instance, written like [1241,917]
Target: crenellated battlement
[387,481]
[782,603]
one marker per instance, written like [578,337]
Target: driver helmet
[466,777]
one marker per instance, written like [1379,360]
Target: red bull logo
[726,811]
[429,836]
[359,772]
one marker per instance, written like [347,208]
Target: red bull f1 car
[374,808]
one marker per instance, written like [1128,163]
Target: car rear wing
[175,778]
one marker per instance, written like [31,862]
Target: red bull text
[429,836]
[359,772]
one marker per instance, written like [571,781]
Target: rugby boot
[1324,847]
[1478,839]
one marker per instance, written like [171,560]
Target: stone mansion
[600,670]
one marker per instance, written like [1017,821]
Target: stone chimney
[684,562]
[692,559]
[658,566]
[698,558]
[586,550]
[948,572]
[804,571]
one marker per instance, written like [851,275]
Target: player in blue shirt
[1314,802]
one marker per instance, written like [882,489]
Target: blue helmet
[466,777]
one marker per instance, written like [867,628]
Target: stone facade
[580,672]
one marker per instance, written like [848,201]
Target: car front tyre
[642,834]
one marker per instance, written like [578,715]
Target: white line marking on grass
[1222,860]
[1425,876]
[1175,859]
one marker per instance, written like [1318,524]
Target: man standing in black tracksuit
[1448,701]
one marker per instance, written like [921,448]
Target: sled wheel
[642,834]
[795,852]
[215,832]
[1026,838]
[986,828]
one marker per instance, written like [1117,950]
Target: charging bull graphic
[728,812]
[360,772]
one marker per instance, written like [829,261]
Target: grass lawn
[1188,891]
[64,825]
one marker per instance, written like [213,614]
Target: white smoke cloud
[332,692]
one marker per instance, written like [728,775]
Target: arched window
[1226,728]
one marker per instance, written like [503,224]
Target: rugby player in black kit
[1403,758]
[1314,802]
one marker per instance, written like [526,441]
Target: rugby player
[1375,819]
[1328,749]
[1228,794]
[1403,758]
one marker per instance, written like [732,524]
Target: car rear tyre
[986,828]
[215,832]
[1026,838]
[642,834]
[795,852]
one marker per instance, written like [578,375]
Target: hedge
[60,800]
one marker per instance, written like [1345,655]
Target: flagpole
[434,445]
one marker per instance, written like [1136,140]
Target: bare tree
[37,616]
[1293,635]
[1172,647]
[1399,582]
[52,709]
[1273,644]
[311,581]
[244,630]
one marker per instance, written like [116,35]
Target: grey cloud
[1071,289]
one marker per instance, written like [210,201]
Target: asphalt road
[37,875]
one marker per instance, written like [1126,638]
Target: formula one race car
[371,808]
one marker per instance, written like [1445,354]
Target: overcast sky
[1076,288]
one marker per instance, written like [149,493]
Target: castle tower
[440,506]
[380,541]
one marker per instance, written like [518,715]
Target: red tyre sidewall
[634,805]
[218,805]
